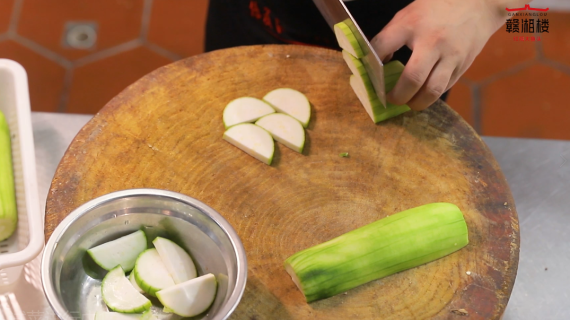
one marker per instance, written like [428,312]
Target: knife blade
[334,11]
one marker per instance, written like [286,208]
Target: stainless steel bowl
[73,285]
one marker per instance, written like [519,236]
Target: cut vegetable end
[245,109]
[393,244]
[133,281]
[190,298]
[291,102]
[346,39]
[285,129]
[119,295]
[253,140]
[8,206]
[373,106]
[176,260]
[151,274]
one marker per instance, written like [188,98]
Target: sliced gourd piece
[104,315]
[190,298]
[252,139]
[393,244]
[245,109]
[122,251]
[119,295]
[148,316]
[151,274]
[284,129]
[176,260]
[291,102]
[362,86]
[346,40]
[134,282]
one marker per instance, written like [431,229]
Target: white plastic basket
[28,240]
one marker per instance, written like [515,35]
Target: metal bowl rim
[241,273]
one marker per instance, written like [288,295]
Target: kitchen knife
[334,11]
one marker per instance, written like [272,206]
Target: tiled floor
[514,88]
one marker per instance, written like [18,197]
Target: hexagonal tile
[461,100]
[97,83]
[179,26]
[556,43]
[44,22]
[5,13]
[531,103]
[45,77]
[500,54]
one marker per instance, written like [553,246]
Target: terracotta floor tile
[461,100]
[531,103]
[178,25]
[44,22]
[500,54]
[45,78]
[5,13]
[97,83]
[556,43]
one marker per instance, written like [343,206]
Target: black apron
[233,23]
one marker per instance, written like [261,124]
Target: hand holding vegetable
[445,37]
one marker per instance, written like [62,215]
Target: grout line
[477,108]
[64,98]
[163,52]
[508,72]
[556,65]
[145,20]
[123,47]
[39,49]
[15,17]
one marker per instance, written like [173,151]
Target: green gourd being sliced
[291,102]
[122,251]
[284,129]
[176,260]
[150,273]
[245,109]
[364,90]
[347,40]
[119,295]
[399,242]
[8,207]
[190,298]
[252,139]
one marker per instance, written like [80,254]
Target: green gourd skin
[396,243]
[8,207]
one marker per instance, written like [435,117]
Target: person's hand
[445,37]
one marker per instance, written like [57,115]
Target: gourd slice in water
[190,298]
[245,109]
[393,244]
[284,129]
[122,251]
[176,260]
[151,274]
[291,102]
[346,40]
[253,140]
[119,295]
[134,282]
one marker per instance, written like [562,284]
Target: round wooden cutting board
[165,131]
